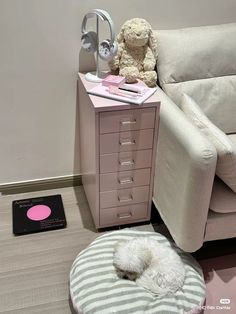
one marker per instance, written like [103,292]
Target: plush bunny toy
[136,57]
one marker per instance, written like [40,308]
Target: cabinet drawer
[123,214]
[126,141]
[125,161]
[124,196]
[125,179]
[125,120]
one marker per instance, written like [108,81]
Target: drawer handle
[127,142]
[125,215]
[128,122]
[126,162]
[126,180]
[123,200]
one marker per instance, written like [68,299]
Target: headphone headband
[104,16]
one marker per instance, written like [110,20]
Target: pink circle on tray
[39,212]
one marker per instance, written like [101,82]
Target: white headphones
[107,49]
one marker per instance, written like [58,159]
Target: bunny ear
[120,37]
[152,43]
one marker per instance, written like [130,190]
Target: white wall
[39,56]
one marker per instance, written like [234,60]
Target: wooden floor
[34,268]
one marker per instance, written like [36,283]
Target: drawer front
[123,214]
[124,196]
[125,161]
[125,120]
[125,179]
[126,141]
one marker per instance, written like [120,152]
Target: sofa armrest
[184,174]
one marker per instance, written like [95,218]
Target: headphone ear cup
[114,49]
[107,51]
[89,41]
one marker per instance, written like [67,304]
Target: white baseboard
[41,184]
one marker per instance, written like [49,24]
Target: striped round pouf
[96,288]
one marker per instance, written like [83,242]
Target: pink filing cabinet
[117,148]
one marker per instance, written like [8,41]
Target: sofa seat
[232,137]
[223,199]
[220,226]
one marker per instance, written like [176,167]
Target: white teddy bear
[136,56]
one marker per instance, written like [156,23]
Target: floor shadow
[158,224]
[71,306]
[77,166]
[84,210]
[223,266]
[82,203]
[216,248]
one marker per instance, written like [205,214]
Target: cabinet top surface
[104,104]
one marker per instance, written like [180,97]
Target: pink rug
[220,278]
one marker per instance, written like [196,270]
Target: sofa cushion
[196,53]
[215,96]
[225,147]
[200,61]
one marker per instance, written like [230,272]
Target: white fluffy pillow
[226,149]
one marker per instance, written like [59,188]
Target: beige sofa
[197,73]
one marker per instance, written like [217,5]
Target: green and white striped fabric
[95,287]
